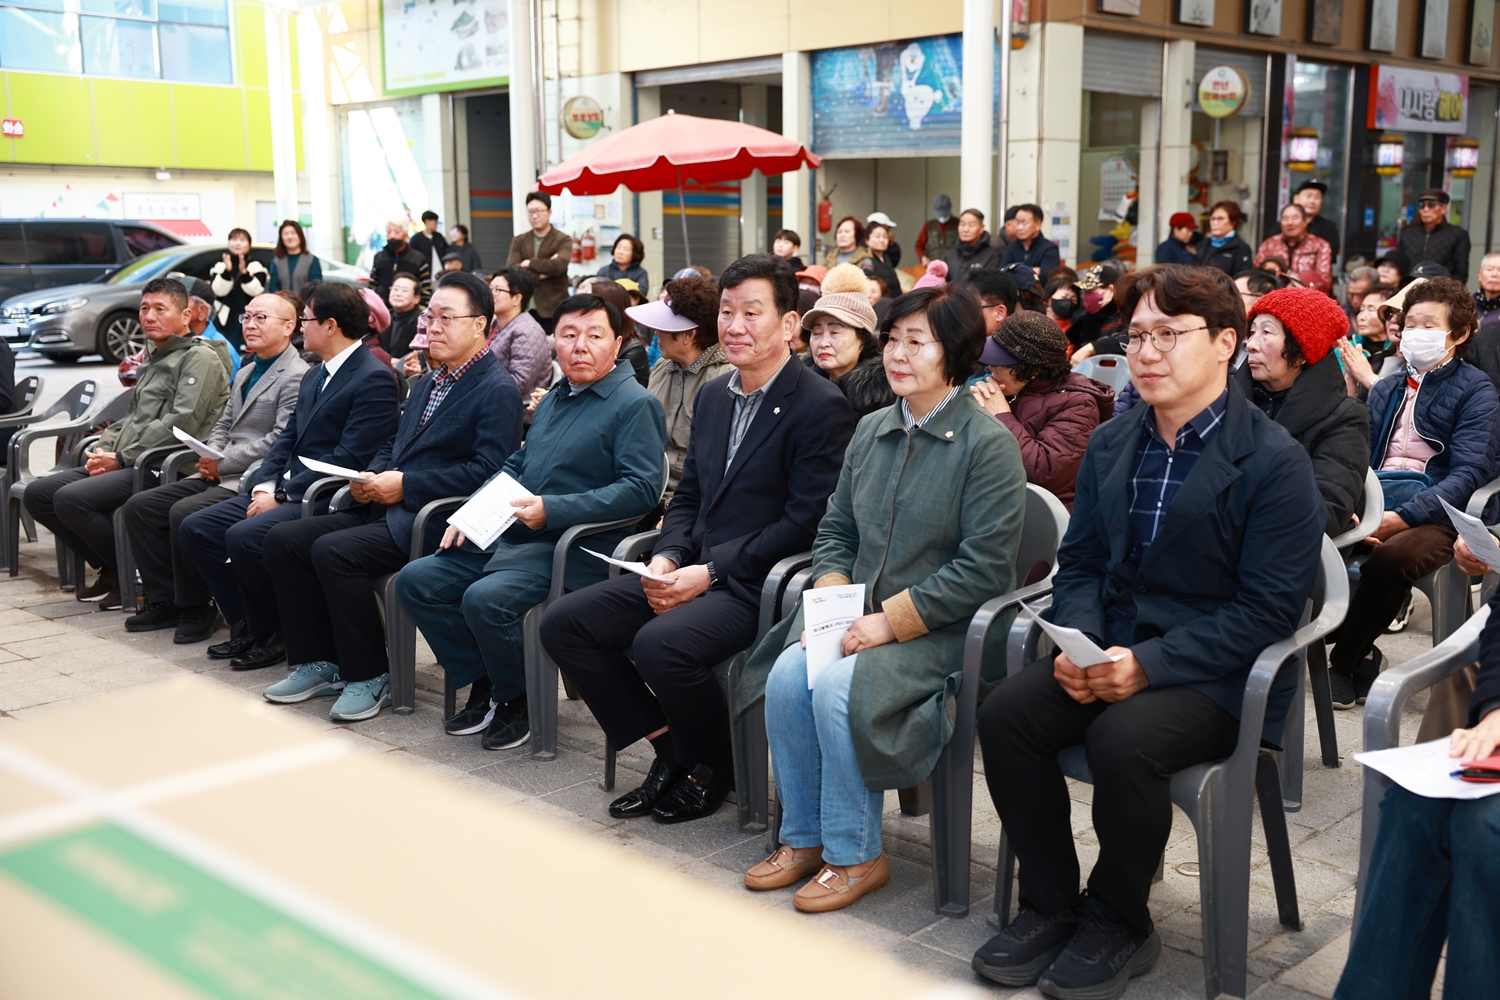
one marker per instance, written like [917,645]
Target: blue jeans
[472,617]
[1433,875]
[823,796]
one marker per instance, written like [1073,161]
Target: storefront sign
[582,118]
[1418,100]
[1223,92]
[429,47]
[12,128]
[161,205]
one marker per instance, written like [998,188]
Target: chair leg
[609,765]
[951,823]
[11,544]
[29,525]
[775,840]
[1322,694]
[1295,736]
[1161,869]
[124,564]
[450,697]
[1278,843]
[541,688]
[751,768]
[401,649]
[1224,888]
[915,801]
[568,689]
[1005,877]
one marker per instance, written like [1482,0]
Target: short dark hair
[416,281]
[697,299]
[519,281]
[541,196]
[170,287]
[429,214]
[1292,204]
[637,248]
[1010,213]
[334,300]
[475,288]
[588,303]
[1378,289]
[789,235]
[1462,315]
[237,231]
[1231,209]
[1180,289]
[859,228]
[461,228]
[1259,282]
[974,212]
[991,283]
[613,293]
[1035,211]
[953,312]
[769,267]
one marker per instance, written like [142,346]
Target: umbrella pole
[682,215]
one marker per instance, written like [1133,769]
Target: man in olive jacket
[183,383]
[544,251]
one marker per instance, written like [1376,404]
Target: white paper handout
[1082,650]
[827,613]
[353,475]
[638,568]
[1425,769]
[197,446]
[1475,535]
[485,515]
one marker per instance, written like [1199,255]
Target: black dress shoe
[196,624]
[659,780]
[696,795]
[269,650]
[239,641]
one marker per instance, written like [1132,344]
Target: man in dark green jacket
[183,384]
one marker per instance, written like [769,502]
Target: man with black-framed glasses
[1194,540]
[1432,237]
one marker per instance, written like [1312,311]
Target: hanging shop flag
[1417,100]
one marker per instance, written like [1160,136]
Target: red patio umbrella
[662,153]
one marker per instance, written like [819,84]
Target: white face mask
[1423,349]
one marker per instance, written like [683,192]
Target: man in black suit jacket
[459,426]
[346,409]
[764,455]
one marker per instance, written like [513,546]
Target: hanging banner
[428,47]
[1418,100]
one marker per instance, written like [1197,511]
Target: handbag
[1400,485]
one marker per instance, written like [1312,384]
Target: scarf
[1220,242]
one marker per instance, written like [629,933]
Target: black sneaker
[1100,961]
[1018,955]
[1398,623]
[510,727]
[157,614]
[100,588]
[1367,674]
[475,715]
[197,624]
[1344,696]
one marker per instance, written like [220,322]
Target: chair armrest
[19,419]
[431,509]
[172,468]
[984,620]
[1369,517]
[247,478]
[148,459]
[342,500]
[77,452]
[1481,497]
[573,534]
[632,548]
[20,444]
[1395,687]
[770,594]
[317,489]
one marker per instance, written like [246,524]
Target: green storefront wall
[96,121]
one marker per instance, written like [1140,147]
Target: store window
[381,149]
[1321,100]
[1109,170]
[184,40]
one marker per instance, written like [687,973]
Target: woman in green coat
[927,515]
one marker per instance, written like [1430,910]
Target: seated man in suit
[183,383]
[1194,542]
[460,424]
[594,453]
[346,409]
[763,457]
[261,401]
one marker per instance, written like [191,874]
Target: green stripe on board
[218,939]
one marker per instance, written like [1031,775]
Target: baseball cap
[1101,275]
[994,354]
[1313,184]
[817,272]
[879,218]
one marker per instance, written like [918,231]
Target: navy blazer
[475,429]
[1230,569]
[748,516]
[344,425]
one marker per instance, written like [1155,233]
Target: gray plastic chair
[1217,797]
[1110,369]
[1386,702]
[22,401]
[132,595]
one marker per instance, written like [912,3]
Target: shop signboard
[12,128]
[428,47]
[1223,92]
[582,118]
[162,205]
[1418,100]
[896,99]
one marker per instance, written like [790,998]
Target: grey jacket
[252,422]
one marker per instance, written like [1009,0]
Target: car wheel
[62,359]
[120,336]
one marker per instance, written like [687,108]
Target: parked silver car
[100,317]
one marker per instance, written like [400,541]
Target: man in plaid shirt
[1300,249]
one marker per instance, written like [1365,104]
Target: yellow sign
[1223,92]
[582,118]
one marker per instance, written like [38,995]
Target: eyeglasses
[258,319]
[1428,203]
[1163,338]
[432,319]
[908,346]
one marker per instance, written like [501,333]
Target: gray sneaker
[307,681]
[362,699]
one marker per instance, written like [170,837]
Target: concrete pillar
[1177,94]
[283,116]
[461,183]
[1045,111]
[318,142]
[753,235]
[977,125]
[647,107]
[796,123]
[439,170]
[1148,204]
[522,98]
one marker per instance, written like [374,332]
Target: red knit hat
[1311,318]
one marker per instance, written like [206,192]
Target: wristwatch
[713,575]
[280,495]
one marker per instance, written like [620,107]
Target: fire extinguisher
[589,243]
[825,211]
[577,251]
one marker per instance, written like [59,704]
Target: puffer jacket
[1231,258]
[865,385]
[1456,413]
[966,258]
[1052,422]
[1332,426]
[183,383]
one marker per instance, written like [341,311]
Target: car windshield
[147,267]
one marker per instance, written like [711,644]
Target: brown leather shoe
[782,869]
[832,890]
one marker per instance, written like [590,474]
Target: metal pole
[538,86]
[1489,229]
[1002,124]
[687,250]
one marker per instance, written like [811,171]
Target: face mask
[1423,349]
[1063,308]
[1093,301]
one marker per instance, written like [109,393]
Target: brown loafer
[833,890]
[782,869]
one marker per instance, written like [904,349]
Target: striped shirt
[746,406]
[912,423]
[443,382]
[1160,471]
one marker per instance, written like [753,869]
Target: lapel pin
[776,411]
[948,434]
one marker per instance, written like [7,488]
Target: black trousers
[671,683]
[152,518]
[1133,747]
[1390,571]
[323,571]
[78,508]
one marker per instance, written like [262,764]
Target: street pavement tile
[41,691]
[1319,974]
